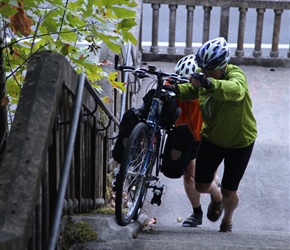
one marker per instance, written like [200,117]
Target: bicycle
[144,149]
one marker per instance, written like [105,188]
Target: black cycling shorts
[211,156]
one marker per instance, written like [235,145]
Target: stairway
[158,237]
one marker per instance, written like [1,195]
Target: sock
[197,210]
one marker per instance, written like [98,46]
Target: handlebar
[124,68]
[151,70]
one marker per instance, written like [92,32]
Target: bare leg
[230,203]
[195,218]
[189,186]
[211,188]
[215,207]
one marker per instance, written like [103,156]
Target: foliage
[73,28]
[105,210]
[76,233]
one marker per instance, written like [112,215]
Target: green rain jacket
[226,109]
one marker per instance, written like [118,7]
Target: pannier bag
[178,151]
[128,122]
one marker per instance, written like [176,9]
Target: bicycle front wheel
[130,182]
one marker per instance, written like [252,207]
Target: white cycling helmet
[214,54]
[186,66]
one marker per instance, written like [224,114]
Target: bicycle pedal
[158,191]
[156,199]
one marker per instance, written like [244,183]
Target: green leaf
[12,88]
[126,24]
[124,13]
[74,21]
[115,84]
[64,50]
[112,45]
[74,5]
[55,2]
[51,21]
[7,11]
[102,20]
[128,37]
[132,4]
[109,3]
[68,35]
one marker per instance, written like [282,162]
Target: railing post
[241,32]
[206,23]
[172,28]
[224,22]
[259,29]
[155,24]
[276,33]
[63,182]
[189,28]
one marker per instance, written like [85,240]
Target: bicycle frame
[154,118]
[142,152]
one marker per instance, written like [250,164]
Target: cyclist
[190,115]
[229,128]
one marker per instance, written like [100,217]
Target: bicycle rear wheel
[130,182]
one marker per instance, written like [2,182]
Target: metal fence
[58,153]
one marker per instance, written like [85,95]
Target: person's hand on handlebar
[172,88]
[200,80]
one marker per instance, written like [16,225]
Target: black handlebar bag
[180,147]
[170,110]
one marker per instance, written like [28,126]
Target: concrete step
[171,237]
[136,236]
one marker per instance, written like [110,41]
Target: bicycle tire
[152,161]
[130,184]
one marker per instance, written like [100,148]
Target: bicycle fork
[153,182]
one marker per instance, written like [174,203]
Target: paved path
[262,220]
[265,189]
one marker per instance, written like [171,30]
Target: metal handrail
[67,162]
[99,101]
[55,189]
[123,100]
[82,83]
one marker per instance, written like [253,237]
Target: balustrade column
[189,28]
[259,29]
[154,48]
[276,33]
[241,32]
[172,28]
[224,22]
[206,23]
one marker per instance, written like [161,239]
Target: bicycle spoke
[129,192]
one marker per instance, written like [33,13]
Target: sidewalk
[265,189]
